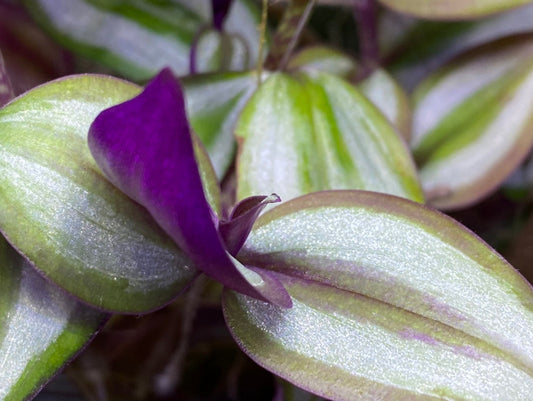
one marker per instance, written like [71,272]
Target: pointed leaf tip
[235,231]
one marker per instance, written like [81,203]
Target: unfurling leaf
[41,327]
[145,147]
[64,215]
[472,124]
[391,300]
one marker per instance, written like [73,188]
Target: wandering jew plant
[286,196]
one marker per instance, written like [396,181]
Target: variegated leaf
[452,9]
[41,327]
[60,211]
[472,123]
[214,103]
[390,98]
[392,300]
[138,38]
[324,59]
[413,47]
[315,132]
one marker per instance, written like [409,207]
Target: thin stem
[170,377]
[262,34]
[288,33]
[365,13]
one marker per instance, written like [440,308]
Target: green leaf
[315,132]
[65,217]
[137,38]
[472,122]
[390,98]
[41,327]
[392,300]
[413,47]
[324,59]
[214,103]
[454,9]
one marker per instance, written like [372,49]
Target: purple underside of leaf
[144,147]
[235,231]
[220,10]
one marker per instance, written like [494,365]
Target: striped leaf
[472,123]
[214,103]
[390,98]
[413,47]
[324,59]
[41,327]
[315,132]
[454,9]
[137,38]
[392,300]
[66,218]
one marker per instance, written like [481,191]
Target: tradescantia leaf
[137,38]
[41,327]
[391,299]
[214,103]
[472,122]
[413,47]
[315,132]
[454,9]
[324,59]
[145,147]
[390,98]
[62,213]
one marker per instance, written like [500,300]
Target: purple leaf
[144,146]
[220,10]
[235,231]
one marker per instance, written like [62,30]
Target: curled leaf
[145,147]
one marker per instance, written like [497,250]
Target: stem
[262,34]
[169,378]
[288,33]
[365,14]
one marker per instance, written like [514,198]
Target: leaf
[391,300]
[390,98]
[145,147]
[413,47]
[471,124]
[136,38]
[316,132]
[65,217]
[324,59]
[41,327]
[454,9]
[214,103]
